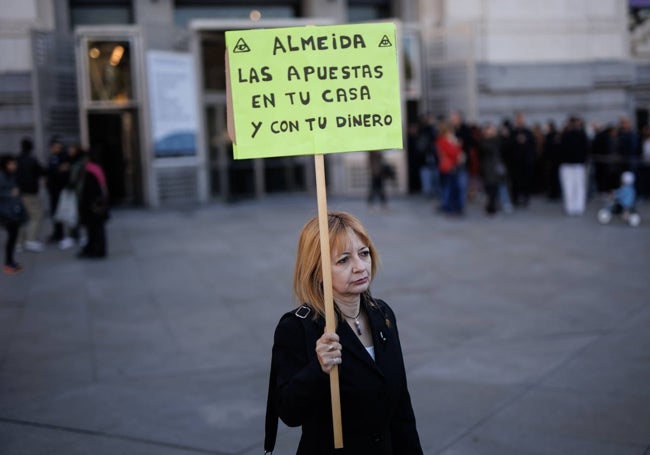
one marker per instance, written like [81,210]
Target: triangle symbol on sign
[385,42]
[241,46]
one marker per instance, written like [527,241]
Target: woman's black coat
[376,411]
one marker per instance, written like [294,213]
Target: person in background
[644,169]
[539,183]
[450,157]
[573,167]
[9,190]
[77,158]
[377,190]
[376,411]
[552,154]
[628,146]
[625,195]
[93,208]
[57,175]
[523,155]
[604,152]
[505,137]
[645,144]
[28,178]
[463,134]
[493,170]
[472,166]
[428,157]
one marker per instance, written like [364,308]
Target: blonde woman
[376,411]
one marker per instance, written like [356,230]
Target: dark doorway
[241,178]
[642,117]
[114,142]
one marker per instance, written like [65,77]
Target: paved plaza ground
[522,334]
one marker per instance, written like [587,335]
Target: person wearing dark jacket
[377,168]
[28,178]
[8,194]
[522,160]
[376,412]
[573,167]
[93,209]
[57,177]
[604,152]
[427,156]
[628,146]
[493,169]
[552,155]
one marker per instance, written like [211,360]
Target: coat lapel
[353,344]
[380,332]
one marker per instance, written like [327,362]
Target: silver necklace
[356,320]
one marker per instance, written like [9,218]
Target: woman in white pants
[573,168]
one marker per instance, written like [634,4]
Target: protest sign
[312,90]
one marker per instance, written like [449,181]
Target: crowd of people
[77,202]
[508,163]
[455,162]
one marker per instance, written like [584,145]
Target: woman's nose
[356,264]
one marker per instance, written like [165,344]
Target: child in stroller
[622,202]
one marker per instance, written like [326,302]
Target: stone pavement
[523,334]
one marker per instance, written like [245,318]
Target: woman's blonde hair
[308,274]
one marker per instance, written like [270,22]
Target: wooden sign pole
[330,316]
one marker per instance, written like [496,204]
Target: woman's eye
[365,253]
[342,260]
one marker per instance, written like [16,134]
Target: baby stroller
[621,203]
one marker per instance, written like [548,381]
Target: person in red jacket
[450,156]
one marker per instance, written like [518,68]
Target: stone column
[335,9]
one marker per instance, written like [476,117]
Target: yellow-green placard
[315,89]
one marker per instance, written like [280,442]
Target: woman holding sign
[376,412]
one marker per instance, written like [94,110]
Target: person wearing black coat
[93,209]
[376,411]
[522,160]
[493,169]
[552,156]
[11,211]
[57,177]
[573,167]
[606,165]
[28,176]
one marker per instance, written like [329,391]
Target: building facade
[547,59]
[111,74]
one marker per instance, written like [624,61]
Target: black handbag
[12,211]
[271,422]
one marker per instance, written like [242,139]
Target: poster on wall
[172,99]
